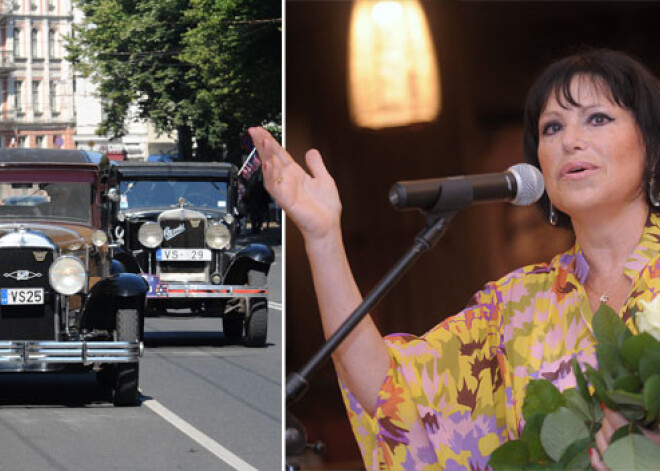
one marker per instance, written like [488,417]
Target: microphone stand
[450,201]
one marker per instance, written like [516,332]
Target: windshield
[62,201]
[148,193]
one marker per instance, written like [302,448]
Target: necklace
[604,297]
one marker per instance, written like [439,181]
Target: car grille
[27,322]
[184,235]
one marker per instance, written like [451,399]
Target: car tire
[256,322]
[126,375]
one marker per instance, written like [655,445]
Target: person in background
[450,397]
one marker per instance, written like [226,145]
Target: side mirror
[113,194]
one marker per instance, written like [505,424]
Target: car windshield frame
[138,193]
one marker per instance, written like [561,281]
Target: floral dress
[453,395]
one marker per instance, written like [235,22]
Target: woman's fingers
[315,164]
[597,461]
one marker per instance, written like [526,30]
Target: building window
[39,141]
[52,95]
[35,43]
[18,96]
[51,43]
[36,102]
[51,5]
[22,141]
[17,42]
[34,4]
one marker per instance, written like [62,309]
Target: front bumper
[168,289]
[26,355]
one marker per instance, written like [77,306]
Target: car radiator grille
[27,322]
[190,238]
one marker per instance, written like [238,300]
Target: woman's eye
[599,119]
[551,128]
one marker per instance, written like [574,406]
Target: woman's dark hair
[628,83]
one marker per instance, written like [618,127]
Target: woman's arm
[312,203]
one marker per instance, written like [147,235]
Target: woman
[449,398]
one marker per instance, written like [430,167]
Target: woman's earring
[654,195]
[553,217]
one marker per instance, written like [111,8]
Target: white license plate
[21,296]
[183,255]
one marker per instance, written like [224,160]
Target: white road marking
[275,305]
[197,435]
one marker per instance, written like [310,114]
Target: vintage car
[176,224]
[64,305]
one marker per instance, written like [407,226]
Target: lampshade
[393,74]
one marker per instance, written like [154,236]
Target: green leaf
[576,455]
[610,360]
[652,398]
[560,429]
[624,431]
[649,364]
[541,396]
[608,326]
[581,382]
[632,413]
[512,455]
[632,453]
[600,390]
[575,402]
[626,398]
[628,383]
[531,436]
[633,349]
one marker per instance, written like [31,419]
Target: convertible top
[159,170]
[60,156]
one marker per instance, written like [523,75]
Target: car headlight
[67,275]
[99,238]
[218,236]
[229,218]
[150,234]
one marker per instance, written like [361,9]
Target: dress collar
[647,249]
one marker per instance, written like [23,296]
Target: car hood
[153,213]
[62,236]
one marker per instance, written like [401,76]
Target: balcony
[7,62]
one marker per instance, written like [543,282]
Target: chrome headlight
[218,236]
[229,218]
[150,234]
[99,238]
[67,275]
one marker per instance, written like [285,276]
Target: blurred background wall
[488,54]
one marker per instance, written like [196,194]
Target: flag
[252,164]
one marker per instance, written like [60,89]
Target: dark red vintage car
[64,306]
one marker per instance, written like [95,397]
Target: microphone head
[529,181]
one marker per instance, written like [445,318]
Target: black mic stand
[450,202]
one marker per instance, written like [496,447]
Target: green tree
[205,68]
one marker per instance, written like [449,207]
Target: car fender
[120,291]
[127,260]
[251,257]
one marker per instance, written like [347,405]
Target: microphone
[521,184]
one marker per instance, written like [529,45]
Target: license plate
[183,255]
[21,296]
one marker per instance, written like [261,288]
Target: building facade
[36,82]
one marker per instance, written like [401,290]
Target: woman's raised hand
[311,201]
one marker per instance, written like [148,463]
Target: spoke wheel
[256,323]
[126,375]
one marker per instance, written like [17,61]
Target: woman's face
[592,155]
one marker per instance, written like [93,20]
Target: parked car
[176,225]
[64,306]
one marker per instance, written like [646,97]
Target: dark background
[488,53]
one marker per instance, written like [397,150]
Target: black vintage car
[176,225]
[64,305]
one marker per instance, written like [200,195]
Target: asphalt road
[206,405]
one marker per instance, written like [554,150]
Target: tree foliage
[206,68]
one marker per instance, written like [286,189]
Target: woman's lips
[576,170]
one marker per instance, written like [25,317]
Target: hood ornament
[22,275]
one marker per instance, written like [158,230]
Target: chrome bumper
[164,290]
[33,352]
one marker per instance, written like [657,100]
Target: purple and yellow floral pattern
[453,395]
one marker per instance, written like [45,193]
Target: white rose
[648,319]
